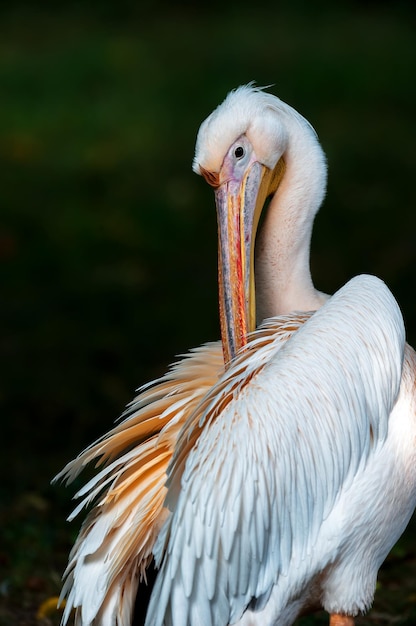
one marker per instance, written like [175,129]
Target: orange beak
[239,204]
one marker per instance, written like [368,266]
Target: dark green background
[107,238]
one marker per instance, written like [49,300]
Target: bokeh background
[108,240]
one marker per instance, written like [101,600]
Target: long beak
[239,205]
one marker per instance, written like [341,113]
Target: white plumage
[297,478]
[275,479]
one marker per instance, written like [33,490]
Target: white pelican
[278,482]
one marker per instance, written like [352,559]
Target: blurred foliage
[107,239]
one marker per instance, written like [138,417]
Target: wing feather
[270,457]
[115,543]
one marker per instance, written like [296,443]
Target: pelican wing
[271,454]
[115,542]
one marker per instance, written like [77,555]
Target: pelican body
[269,474]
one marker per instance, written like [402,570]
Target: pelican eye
[239,152]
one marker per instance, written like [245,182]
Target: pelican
[270,474]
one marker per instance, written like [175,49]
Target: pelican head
[241,151]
